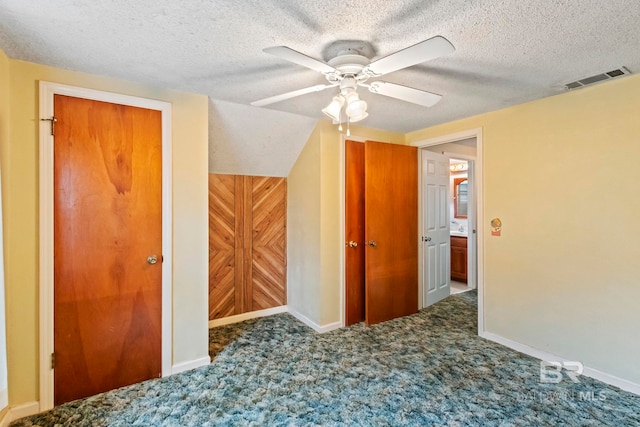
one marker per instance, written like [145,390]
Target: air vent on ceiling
[622,71]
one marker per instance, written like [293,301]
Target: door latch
[53,121]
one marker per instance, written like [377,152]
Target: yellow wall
[314,239]
[4,136]
[330,237]
[4,126]
[562,174]
[4,107]
[303,230]
[20,179]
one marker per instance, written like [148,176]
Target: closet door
[354,233]
[268,242]
[107,213]
[222,241]
[247,244]
[391,231]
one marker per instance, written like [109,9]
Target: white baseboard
[271,311]
[321,329]
[191,364]
[543,355]
[246,316]
[19,411]
[621,383]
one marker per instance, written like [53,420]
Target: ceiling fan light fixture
[333,109]
[351,96]
[358,118]
[356,109]
[355,106]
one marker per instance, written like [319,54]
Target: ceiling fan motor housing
[348,84]
[348,47]
[348,65]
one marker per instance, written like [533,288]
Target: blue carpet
[427,369]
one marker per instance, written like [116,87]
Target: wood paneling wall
[247,244]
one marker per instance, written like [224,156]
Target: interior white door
[436,221]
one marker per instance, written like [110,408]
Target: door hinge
[53,121]
[53,360]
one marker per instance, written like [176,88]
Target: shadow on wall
[245,140]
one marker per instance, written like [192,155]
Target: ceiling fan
[351,67]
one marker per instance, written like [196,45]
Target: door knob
[371,243]
[152,259]
[352,244]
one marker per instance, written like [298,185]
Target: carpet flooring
[426,369]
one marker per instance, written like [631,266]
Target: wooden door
[435,178]
[268,242]
[222,246]
[354,233]
[107,221]
[391,231]
[247,244]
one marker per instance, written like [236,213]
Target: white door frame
[459,136]
[46,190]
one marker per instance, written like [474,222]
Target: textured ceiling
[507,52]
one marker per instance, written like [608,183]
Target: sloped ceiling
[507,52]
[248,142]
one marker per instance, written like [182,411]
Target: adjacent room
[303,213]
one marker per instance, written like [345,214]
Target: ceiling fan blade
[404,93]
[288,95]
[432,48]
[300,59]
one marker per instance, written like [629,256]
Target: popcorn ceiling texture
[508,52]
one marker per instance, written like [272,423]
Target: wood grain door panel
[244,248]
[107,221]
[247,244]
[391,220]
[354,232]
[221,245]
[269,239]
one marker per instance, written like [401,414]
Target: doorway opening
[460,201]
[455,263]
